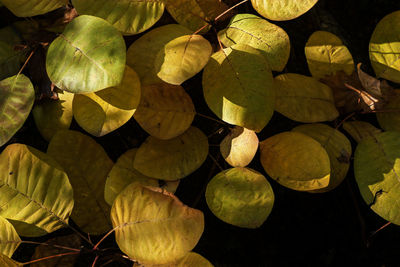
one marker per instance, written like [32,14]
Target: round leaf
[326,54]
[33,191]
[384,48]
[304,99]
[87,166]
[87,57]
[390,121]
[239,147]
[172,159]
[165,111]
[9,239]
[193,259]
[360,130]
[238,87]
[16,100]
[153,226]
[296,161]
[271,40]
[22,8]
[105,111]
[282,9]
[241,197]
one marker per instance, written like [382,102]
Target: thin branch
[229,9]
[26,62]
[345,119]
[50,257]
[46,244]
[215,161]
[104,237]
[208,117]
[95,260]
[381,228]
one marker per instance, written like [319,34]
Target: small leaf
[389,118]
[282,9]
[22,8]
[9,239]
[360,130]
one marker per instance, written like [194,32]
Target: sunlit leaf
[304,99]
[10,58]
[104,111]
[87,57]
[282,9]
[9,239]
[153,226]
[377,172]
[193,259]
[240,196]
[238,87]
[271,40]
[296,161]
[389,119]
[172,159]
[8,262]
[34,191]
[22,8]
[165,111]
[360,130]
[87,166]
[129,17]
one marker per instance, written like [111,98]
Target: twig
[50,257]
[46,244]
[207,117]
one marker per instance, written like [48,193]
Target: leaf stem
[46,244]
[26,62]
[51,257]
[104,237]
[229,9]
[210,118]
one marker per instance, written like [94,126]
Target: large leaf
[384,48]
[9,239]
[129,17]
[296,161]
[326,54]
[142,53]
[153,227]
[87,166]
[105,111]
[304,99]
[336,145]
[377,172]
[165,111]
[241,197]
[10,58]
[360,130]
[8,262]
[238,87]
[271,40]
[34,192]
[172,159]
[16,100]
[182,58]
[87,57]
[390,120]
[22,8]
[282,9]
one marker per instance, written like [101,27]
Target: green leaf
[16,100]
[10,58]
[9,239]
[296,161]
[377,172]
[384,48]
[390,120]
[22,8]
[182,58]
[360,130]
[129,17]
[271,40]
[87,57]
[87,166]
[34,191]
[238,87]
[241,197]
[153,227]
[326,54]
[304,99]
[8,262]
[336,145]
[282,9]
[165,111]
[105,111]
[142,53]
[172,159]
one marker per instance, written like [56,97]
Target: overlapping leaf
[8,262]
[10,58]
[22,8]
[282,9]
[9,239]
[194,259]
[360,130]
[389,119]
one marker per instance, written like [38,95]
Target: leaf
[304,99]
[35,194]
[377,172]
[8,262]
[326,54]
[129,17]
[296,161]
[241,197]
[87,57]
[282,9]
[104,111]
[360,130]
[16,100]
[10,58]
[172,159]
[153,227]
[9,239]
[336,145]
[238,87]
[193,259]
[182,58]
[239,147]
[384,48]
[22,8]
[271,40]
[389,118]
[53,115]
[87,166]
[123,174]
[142,53]
[165,111]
